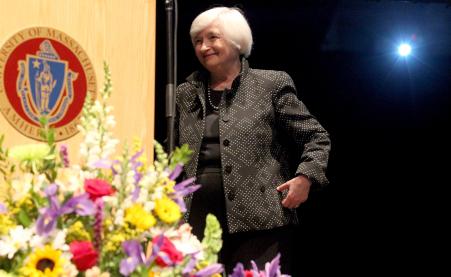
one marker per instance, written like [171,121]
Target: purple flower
[64,155]
[136,256]
[190,266]
[186,187]
[113,163]
[135,193]
[98,226]
[182,189]
[3,208]
[133,248]
[81,205]
[102,163]
[272,269]
[47,221]
[135,164]
[51,190]
[176,172]
[238,271]
[209,270]
[128,265]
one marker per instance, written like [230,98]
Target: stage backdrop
[120,32]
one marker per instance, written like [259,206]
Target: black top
[210,197]
[209,155]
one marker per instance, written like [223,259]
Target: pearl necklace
[209,100]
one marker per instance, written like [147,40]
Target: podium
[118,32]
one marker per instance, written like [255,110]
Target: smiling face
[213,50]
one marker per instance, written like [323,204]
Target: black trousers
[259,246]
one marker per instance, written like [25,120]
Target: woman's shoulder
[275,76]
[193,80]
[270,73]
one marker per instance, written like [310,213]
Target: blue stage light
[404,49]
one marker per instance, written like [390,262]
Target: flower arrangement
[105,216]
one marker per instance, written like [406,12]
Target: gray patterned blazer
[267,136]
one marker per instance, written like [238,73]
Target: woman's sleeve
[303,129]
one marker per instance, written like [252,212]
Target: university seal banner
[44,73]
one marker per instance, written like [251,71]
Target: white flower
[37,241]
[116,182]
[110,200]
[119,218]
[69,268]
[95,272]
[127,202]
[143,194]
[83,150]
[7,249]
[97,107]
[186,242]
[130,180]
[21,187]
[158,193]
[39,183]
[69,180]
[149,206]
[110,121]
[17,240]
[59,242]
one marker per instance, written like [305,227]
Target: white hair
[232,23]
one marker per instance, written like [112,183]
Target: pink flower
[167,254]
[97,188]
[84,254]
[248,273]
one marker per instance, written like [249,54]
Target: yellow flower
[167,210]
[201,264]
[44,262]
[78,232]
[137,216]
[113,240]
[5,224]
[154,274]
[169,187]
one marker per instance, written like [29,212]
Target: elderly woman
[257,151]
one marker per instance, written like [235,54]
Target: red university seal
[44,73]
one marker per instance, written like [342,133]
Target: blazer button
[262,189]
[228,169]
[225,118]
[231,195]
[226,142]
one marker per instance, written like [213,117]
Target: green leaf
[50,157]
[180,155]
[23,218]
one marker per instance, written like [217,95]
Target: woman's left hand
[298,190]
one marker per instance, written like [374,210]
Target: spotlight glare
[404,50]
